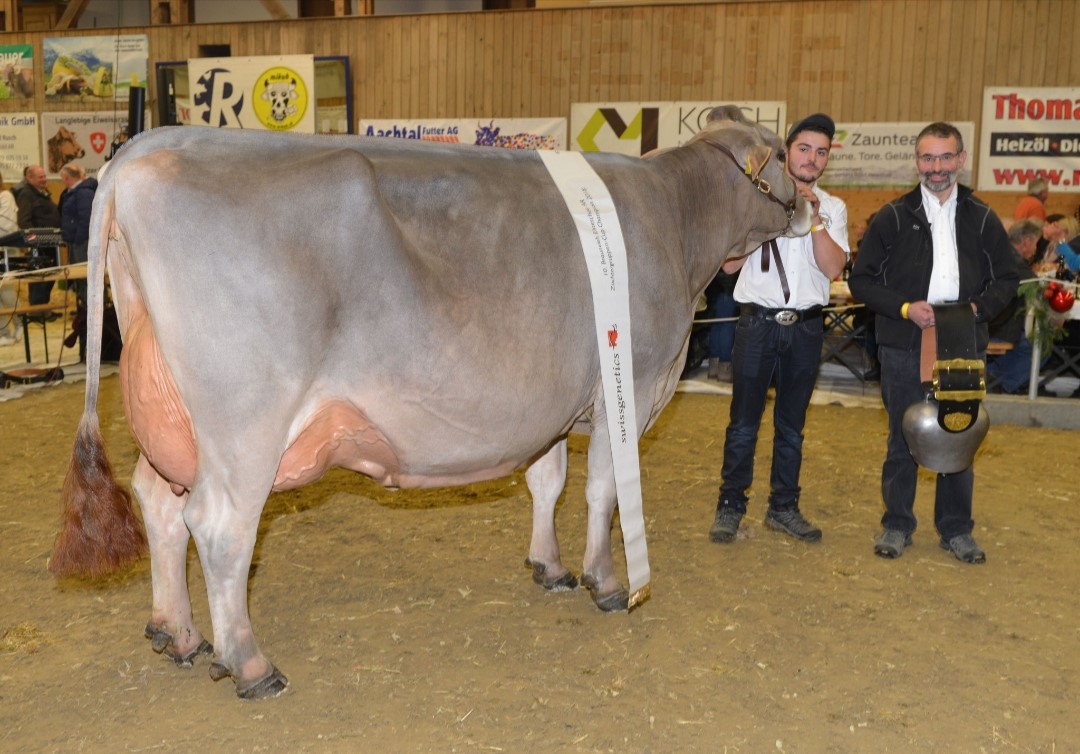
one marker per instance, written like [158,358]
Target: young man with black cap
[781,291]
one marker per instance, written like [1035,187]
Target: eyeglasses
[929,159]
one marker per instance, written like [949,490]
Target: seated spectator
[1014,368]
[1064,244]
[721,305]
[1034,204]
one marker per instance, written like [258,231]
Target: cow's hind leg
[224,521]
[546,479]
[171,628]
[599,573]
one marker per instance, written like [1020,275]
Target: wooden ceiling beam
[276,10]
[72,13]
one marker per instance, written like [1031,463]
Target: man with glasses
[934,245]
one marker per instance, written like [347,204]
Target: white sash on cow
[597,224]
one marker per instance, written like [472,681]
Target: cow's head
[63,148]
[485,135]
[759,154]
[280,95]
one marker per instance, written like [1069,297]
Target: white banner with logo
[271,92]
[19,145]
[1030,132]
[882,155]
[82,137]
[636,128]
[598,227]
[509,133]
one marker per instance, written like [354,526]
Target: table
[40,313]
[845,338]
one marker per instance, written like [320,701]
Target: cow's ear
[726,112]
[757,157]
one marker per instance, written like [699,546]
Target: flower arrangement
[1047,303]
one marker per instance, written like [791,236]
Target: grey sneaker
[726,525]
[792,522]
[963,546]
[891,543]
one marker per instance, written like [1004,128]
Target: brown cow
[63,148]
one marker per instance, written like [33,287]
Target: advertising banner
[882,155]
[18,144]
[509,133]
[82,137]
[636,128]
[94,69]
[271,92]
[1030,132]
[16,71]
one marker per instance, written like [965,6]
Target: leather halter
[770,249]
[759,183]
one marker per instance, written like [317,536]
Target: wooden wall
[860,60]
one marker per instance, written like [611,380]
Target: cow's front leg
[546,479]
[224,525]
[171,628]
[599,573]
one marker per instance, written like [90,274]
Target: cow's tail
[99,532]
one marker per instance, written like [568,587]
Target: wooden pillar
[9,9]
[164,12]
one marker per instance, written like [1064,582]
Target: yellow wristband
[816,228]
[903,309]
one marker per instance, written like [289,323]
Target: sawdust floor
[406,622]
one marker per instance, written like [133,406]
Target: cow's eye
[781,156]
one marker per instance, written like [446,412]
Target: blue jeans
[722,335]
[765,350]
[901,387]
[1014,368]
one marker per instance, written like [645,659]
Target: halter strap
[759,183]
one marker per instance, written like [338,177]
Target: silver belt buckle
[786,317]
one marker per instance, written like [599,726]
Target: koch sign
[636,128]
[1030,133]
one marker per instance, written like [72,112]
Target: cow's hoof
[269,687]
[609,603]
[566,583]
[274,684]
[188,660]
[160,640]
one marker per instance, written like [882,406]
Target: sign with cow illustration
[16,71]
[94,69]
[270,92]
[82,137]
[508,133]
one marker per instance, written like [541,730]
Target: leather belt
[781,316]
[952,366]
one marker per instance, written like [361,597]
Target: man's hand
[921,313]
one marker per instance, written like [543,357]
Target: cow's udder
[158,419]
[337,434]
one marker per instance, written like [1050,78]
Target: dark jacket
[36,208]
[75,206]
[1008,325]
[896,257]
